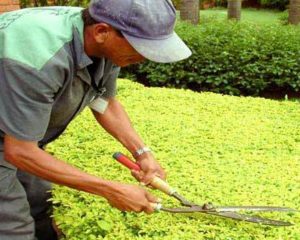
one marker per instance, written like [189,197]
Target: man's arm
[28,157]
[116,122]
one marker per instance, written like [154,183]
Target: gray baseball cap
[148,25]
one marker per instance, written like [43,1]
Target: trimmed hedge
[221,149]
[232,58]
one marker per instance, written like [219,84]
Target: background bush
[41,3]
[284,17]
[275,4]
[223,149]
[232,58]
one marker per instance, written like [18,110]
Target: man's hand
[130,198]
[150,168]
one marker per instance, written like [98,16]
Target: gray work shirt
[44,77]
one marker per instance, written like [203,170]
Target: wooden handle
[156,182]
[161,185]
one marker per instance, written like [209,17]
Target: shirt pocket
[7,179]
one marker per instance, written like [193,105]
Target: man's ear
[101,32]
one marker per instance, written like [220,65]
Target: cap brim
[167,50]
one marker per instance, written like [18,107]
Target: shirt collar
[82,59]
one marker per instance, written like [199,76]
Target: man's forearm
[28,157]
[116,122]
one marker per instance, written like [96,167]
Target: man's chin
[127,63]
[122,64]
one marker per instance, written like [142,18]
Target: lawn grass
[248,14]
[221,149]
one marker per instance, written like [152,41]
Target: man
[53,63]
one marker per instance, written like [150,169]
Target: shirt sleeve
[110,76]
[26,98]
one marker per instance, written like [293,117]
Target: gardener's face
[112,45]
[121,52]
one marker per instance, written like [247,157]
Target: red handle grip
[121,158]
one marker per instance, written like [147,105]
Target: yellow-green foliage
[221,149]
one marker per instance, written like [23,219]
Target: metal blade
[232,215]
[211,207]
[253,219]
[228,209]
[254,208]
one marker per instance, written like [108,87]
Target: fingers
[152,203]
[132,199]
[143,178]
[151,198]
[163,175]
[138,175]
[150,173]
[125,208]
[151,169]
[148,177]
[149,208]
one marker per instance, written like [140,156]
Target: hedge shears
[207,208]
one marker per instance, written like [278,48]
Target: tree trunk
[294,12]
[234,9]
[189,11]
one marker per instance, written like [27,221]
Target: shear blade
[254,208]
[247,218]
[227,214]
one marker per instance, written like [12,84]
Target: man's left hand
[149,169]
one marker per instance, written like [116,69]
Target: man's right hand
[129,198]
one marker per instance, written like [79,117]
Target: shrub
[232,58]
[278,4]
[221,3]
[284,17]
[223,149]
[41,3]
